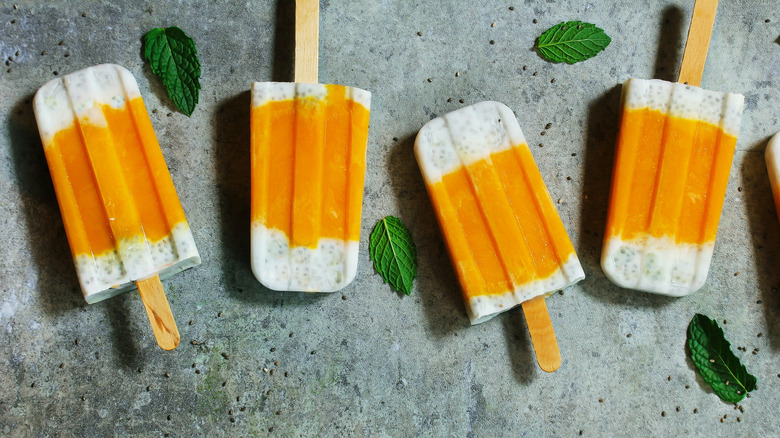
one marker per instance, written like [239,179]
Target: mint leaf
[571,42]
[712,354]
[393,253]
[173,57]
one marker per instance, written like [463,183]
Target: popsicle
[674,153]
[308,160]
[124,222]
[772,156]
[505,239]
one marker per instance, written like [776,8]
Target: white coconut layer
[328,268]
[685,101]
[264,92]
[61,101]
[658,265]
[484,307]
[112,273]
[465,136]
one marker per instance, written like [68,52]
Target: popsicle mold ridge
[674,152]
[92,182]
[493,208]
[306,213]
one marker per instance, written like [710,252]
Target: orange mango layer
[308,166]
[670,177]
[112,182]
[499,223]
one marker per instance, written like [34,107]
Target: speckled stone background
[366,361]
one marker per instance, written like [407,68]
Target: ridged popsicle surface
[308,169]
[674,154]
[505,238]
[121,213]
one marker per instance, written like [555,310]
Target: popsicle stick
[698,42]
[542,334]
[159,312]
[307,40]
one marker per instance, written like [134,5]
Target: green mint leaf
[173,57]
[393,253]
[571,42]
[712,354]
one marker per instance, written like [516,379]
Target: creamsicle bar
[308,154]
[505,238]
[121,213]
[772,157]
[674,153]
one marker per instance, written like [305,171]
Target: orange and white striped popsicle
[674,152]
[308,169]
[122,216]
[505,238]
[772,157]
[308,152]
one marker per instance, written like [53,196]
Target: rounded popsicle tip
[329,267]
[772,151]
[656,265]
[464,136]
[58,102]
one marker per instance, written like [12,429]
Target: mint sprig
[393,252]
[712,355]
[172,55]
[572,41]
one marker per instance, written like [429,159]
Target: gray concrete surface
[367,361]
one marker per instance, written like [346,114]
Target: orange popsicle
[308,169]
[772,157]
[505,238]
[674,153]
[121,213]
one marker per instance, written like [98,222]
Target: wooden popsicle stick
[159,312]
[542,334]
[698,42]
[307,40]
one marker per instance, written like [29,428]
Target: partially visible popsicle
[505,238]
[674,153]
[308,152]
[121,213]
[772,156]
